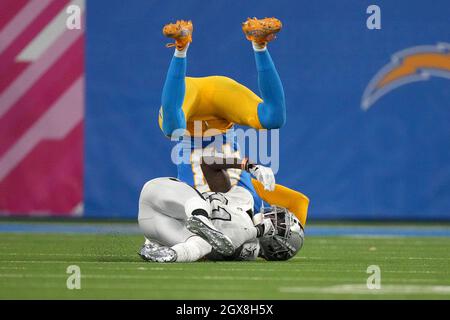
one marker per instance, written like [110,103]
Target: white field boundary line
[6,276]
[379,258]
[169,268]
[362,289]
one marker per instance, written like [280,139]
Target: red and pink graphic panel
[41,109]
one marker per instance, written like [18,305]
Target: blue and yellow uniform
[219,102]
[208,107]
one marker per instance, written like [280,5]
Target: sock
[200,212]
[181,53]
[192,250]
[257,47]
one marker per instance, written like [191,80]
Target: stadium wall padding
[389,162]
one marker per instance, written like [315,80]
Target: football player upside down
[210,106]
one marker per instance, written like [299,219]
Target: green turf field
[34,266]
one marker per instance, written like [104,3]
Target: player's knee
[147,191]
[273,118]
[278,121]
[174,130]
[154,190]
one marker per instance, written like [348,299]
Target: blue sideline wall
[390,162]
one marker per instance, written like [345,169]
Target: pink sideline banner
[41,109]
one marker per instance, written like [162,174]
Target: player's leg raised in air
[223,99]
[174,86]
[272,111]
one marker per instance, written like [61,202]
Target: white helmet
[288,238]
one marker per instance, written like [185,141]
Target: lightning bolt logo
[409,65]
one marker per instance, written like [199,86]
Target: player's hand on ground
[264,175]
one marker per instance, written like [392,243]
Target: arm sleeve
[294,201]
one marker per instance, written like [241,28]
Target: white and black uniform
[231,214]
[165,205]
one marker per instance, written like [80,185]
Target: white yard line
[150,276]
[362,289]
[301,270]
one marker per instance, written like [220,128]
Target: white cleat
[203,227]
[159,254]
[148,246]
